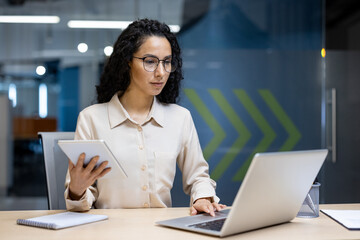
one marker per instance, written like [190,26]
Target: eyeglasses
[151,63]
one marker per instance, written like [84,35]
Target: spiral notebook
[62,220]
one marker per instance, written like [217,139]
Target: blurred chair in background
[56,164]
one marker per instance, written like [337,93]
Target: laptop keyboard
[214,225]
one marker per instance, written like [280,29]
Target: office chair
[56,165]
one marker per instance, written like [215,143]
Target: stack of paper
[348,218]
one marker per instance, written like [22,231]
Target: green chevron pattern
[204,112]
[244,134]
[269,134]
[293,132]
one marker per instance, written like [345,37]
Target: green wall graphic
[238,124]
[219,133]
[243,132]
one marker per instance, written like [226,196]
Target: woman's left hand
[205,205]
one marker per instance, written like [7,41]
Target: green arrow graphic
[269,134]
[244,134]
[294,134]
[219,133]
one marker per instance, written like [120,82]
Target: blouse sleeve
[195,170]
[83,132]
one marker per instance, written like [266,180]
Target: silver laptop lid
[272,192]
[273,189]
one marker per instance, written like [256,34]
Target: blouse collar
[118,114]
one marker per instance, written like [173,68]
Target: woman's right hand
[82,177]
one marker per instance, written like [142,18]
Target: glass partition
[253,82]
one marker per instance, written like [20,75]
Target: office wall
[88,79]
[68,98]
[76,91]
[6,156]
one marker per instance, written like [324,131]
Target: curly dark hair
[116,74]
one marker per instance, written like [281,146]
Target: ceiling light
[82,47]
[28,19]
[40,70]
[108,24]
[98,24]
[108,50]
[174,28]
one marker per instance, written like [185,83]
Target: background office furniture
[56,165]
[28,127]
[127,222]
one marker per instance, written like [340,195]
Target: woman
[147,132]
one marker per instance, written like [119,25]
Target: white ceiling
[28,42]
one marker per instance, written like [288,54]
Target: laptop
[272,192]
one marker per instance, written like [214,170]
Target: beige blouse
[148,153]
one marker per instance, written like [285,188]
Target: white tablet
[92,148]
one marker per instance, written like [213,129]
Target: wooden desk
[140,224]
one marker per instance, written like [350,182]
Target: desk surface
[140,224]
